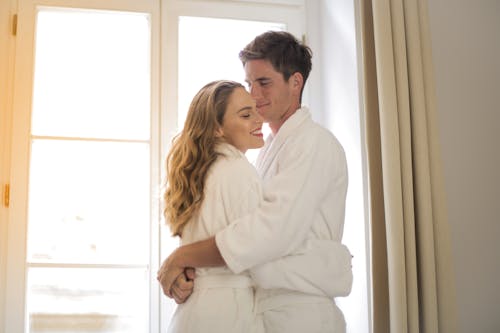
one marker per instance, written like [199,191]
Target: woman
[209,184]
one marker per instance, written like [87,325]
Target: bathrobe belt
[276,301]
[222,281]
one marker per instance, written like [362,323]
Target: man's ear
[297,80]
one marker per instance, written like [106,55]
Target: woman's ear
[219,133]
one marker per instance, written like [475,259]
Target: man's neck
[275,126]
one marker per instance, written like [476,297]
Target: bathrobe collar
[274,142]
[228,150]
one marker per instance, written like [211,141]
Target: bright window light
[92,75]
[90,187]
[208,50]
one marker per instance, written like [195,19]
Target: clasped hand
[176,282]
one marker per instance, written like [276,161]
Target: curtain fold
[412,276]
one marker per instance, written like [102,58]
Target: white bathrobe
[222,301]
[292,243]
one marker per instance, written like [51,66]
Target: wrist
[176,258]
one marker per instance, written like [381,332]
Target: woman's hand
[198,254]
[183,286]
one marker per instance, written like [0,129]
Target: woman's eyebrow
[245,108]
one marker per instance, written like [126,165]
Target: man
[292,243]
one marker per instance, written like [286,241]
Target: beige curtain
[412,274]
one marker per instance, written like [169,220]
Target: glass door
[91,128]
[86,160]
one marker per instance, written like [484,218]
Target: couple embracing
[261,247]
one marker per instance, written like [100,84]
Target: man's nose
[255,91]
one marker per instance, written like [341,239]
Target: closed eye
[245,111]
[264,82]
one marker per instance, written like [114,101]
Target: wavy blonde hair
[193,152]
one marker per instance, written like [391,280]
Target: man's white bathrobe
[222,301]
[292,243]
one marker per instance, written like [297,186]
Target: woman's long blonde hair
[193,152]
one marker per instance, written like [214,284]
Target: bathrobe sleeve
[309,166]
[320,267]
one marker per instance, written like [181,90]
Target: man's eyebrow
[260,79]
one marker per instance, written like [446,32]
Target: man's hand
[183,286]
[168,273]
[198,254]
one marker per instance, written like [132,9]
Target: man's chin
[263,114]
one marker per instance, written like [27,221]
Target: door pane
[89,202]
[208,50]
[89,195]
[88,300]
[203,58]
[92,74]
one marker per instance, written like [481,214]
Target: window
[195,38]
[95,90]
[81,253]
[206,38]
[90,132]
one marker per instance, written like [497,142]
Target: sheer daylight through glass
[208,50]
[89,191]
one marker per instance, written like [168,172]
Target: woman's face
[242,125]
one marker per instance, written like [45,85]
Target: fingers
[177,298]
[165,288]
[166,280]
[190,273]
[182,288]
[174,283]
[180,295]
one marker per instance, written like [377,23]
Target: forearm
[198,254]
[321,267]
[292,199]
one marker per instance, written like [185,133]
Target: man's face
[272,94]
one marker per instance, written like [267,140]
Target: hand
[168,273]
[203,253]
[183,286]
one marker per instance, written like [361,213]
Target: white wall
[334,102]
[466,54]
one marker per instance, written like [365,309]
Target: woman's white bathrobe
[292,243]
[222,301]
